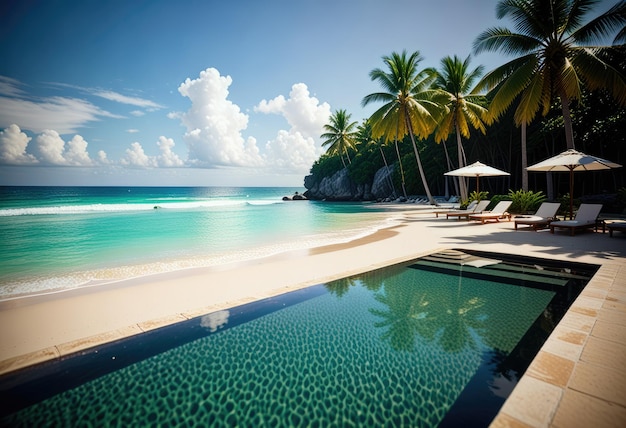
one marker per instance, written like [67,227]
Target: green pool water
[393,347]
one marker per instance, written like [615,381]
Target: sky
[202,92]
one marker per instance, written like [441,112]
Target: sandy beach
[41,327]
[37,323]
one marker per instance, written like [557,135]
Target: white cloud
[132,131]
[291,152]
[13,143]
[51,149]
[76,152]
[304,113]
[137,113]
[296,149]
[214,124]
[167,157]
[102,157]
[124,99]
[10,87]
[136,157]
[65,115]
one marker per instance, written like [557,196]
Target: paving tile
[605,353]
[585,311]
[588,302]
[161,322]
[98,339]
[615,304]
[600,382]
[506,421]
[30,359]
[551,368]
[612,316]
[565,342]
[580,410]
[595,292]
[609,331]
[577,321]
[533,402]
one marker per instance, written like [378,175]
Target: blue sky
[201,93]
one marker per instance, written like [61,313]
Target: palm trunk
[449,162]
[461,153]
[431,200]
[382,153]
[524,159]
[400,162]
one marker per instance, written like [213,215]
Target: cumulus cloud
[291,152]
[51,149]
[13,143]
[167,157]
[303,112]
[296,149]
[214,124]
[136,157]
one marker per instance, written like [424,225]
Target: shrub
[525,201]
[474,196]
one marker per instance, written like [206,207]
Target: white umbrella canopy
[477,169]
[573,161]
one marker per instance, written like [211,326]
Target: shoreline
[121,271]
[152,300]
[35,330]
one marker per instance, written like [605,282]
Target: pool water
[434,342]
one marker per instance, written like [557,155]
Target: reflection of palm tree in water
[432,312]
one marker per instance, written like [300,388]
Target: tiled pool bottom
[405,345]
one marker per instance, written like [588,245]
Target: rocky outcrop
[340,187]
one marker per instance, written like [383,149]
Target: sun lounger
[498,212]
[480,207]
[470,207]
[586,218]
[619,225]
[544,215]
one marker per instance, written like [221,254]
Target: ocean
[55,238]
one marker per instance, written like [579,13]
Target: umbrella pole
[571,193]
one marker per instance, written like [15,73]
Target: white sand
[60,322]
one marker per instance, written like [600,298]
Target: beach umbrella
[573,161]
[477,169]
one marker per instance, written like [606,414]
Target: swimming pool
[436,341]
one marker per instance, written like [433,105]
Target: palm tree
[340,135]
[463,109]
[557,57]
[410,106]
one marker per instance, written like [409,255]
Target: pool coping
[575,378]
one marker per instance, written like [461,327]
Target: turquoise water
[399,346]
[64,237]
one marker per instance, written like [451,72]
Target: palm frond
[506,42]
[599,29]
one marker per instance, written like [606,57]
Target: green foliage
[474,196]
[478,196]
[564,200]
[326,166]
[525,201]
